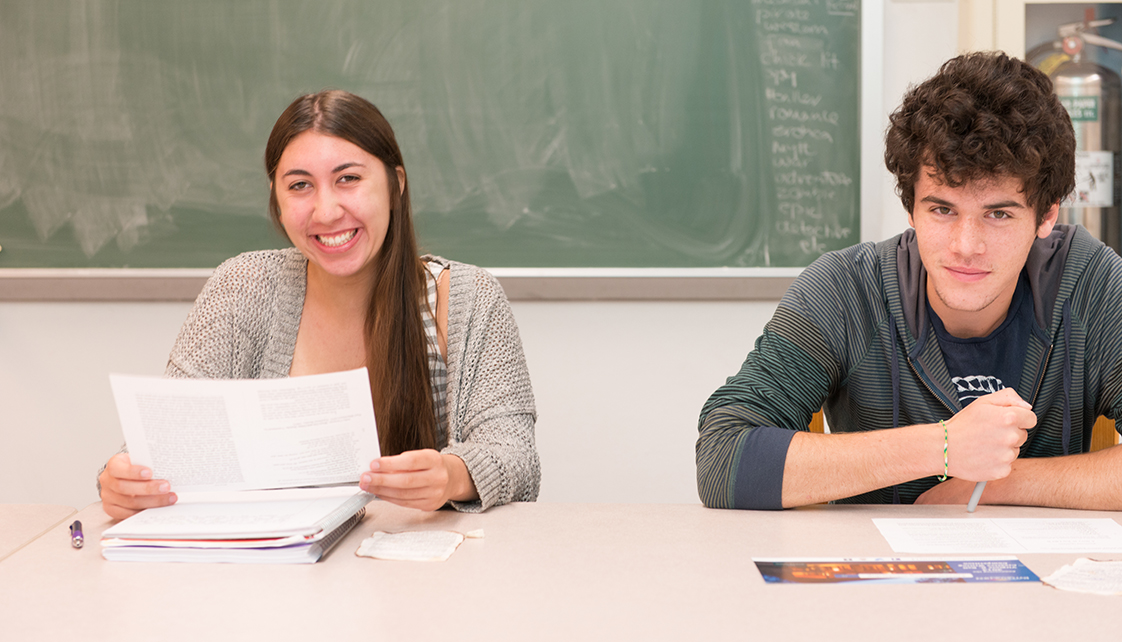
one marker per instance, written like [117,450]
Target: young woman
[451,391]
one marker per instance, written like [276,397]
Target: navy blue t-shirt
[982,365]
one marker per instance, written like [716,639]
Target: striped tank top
[438,370]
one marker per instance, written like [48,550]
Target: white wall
[619,389]
[618,385]
[57,419]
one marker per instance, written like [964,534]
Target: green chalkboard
[537,133]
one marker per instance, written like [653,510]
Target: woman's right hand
[127,489]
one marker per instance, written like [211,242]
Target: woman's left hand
[423,479]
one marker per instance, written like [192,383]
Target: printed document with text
[223,435]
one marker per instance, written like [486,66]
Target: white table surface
[22,523]
[547,572]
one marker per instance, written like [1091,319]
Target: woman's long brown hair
[396,346]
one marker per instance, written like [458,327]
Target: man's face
[973,241]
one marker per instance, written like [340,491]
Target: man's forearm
[1090,481]
[983,441]
[822,468]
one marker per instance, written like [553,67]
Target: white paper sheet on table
[1006,535]
[1089,576]
[411,546]
[222,435]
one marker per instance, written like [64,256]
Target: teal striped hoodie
[851,336]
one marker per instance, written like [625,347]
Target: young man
[981,345]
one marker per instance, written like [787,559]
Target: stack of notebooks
[292,526]
[265,470]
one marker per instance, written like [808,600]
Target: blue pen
[977,495]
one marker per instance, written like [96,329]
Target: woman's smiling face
[334,201]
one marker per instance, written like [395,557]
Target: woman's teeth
[335,240]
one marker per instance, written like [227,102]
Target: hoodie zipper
[929,389]
[1043,369]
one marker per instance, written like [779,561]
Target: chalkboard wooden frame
[528,284]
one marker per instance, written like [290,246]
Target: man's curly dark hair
[984,115]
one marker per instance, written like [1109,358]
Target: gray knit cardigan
[244,326]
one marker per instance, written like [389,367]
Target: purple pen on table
[76,538]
